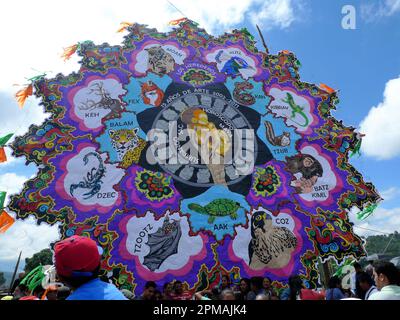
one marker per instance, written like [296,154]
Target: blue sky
[361,63]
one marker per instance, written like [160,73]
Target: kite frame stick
[262,39]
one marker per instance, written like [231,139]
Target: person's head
[77,260]
[21,290]
[157,295]
[21,275]
[244,285]
[63,293]
[227,294]
[178,288]
[267,283]
[357,267]
[168,287]
[365,281]
[38,291]
[334,282]
[385,273]
[149,290]
[225,281]
[262,297]
[295,285]
[295,282]
[256,283]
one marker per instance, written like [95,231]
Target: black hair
[245,280]
[269,279]
[389,270]
[227,277]
[157,292]
[63,293]
[77,281]
[365,277]
[356,265]
[295,285]
[257,282]
[166,285]
[150,284]
[333,282]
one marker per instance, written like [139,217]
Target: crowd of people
[77,264]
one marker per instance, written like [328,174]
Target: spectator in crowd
[369,269]
[295,286]
[158,295]
[387,281]
[63,293]
[263,297]
[168,288]
[227,294]
[256,288]
[269,289]
[179,293]
[355,282]
[367,285]
[334,291]
[203,295]
[52,293]
[21,291]
[243,289]
[148,292]
[225,282]
[21,275]
[77,261]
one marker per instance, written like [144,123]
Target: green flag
[3,140]
[2,198]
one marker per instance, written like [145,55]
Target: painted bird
[270,246]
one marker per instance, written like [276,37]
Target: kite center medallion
[206,139]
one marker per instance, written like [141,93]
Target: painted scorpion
[93,178]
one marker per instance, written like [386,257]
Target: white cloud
[390,193]
[35,32]
[374,11]
[26,236]
[381,221]
[274,13]
[12,182]
[14,120]
[381,126]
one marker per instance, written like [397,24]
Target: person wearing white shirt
[387,279]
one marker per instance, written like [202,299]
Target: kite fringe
[69,51]
[124,26]
[177,21]
[6,221]
[326,88]
[23,94]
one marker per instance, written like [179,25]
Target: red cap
[76,256]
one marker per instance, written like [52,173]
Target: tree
[380,243]
[2,279]
[43,257]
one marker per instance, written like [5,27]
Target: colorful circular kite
[127,158]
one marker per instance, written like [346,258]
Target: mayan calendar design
[187,156]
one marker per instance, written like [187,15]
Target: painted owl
[270,246]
